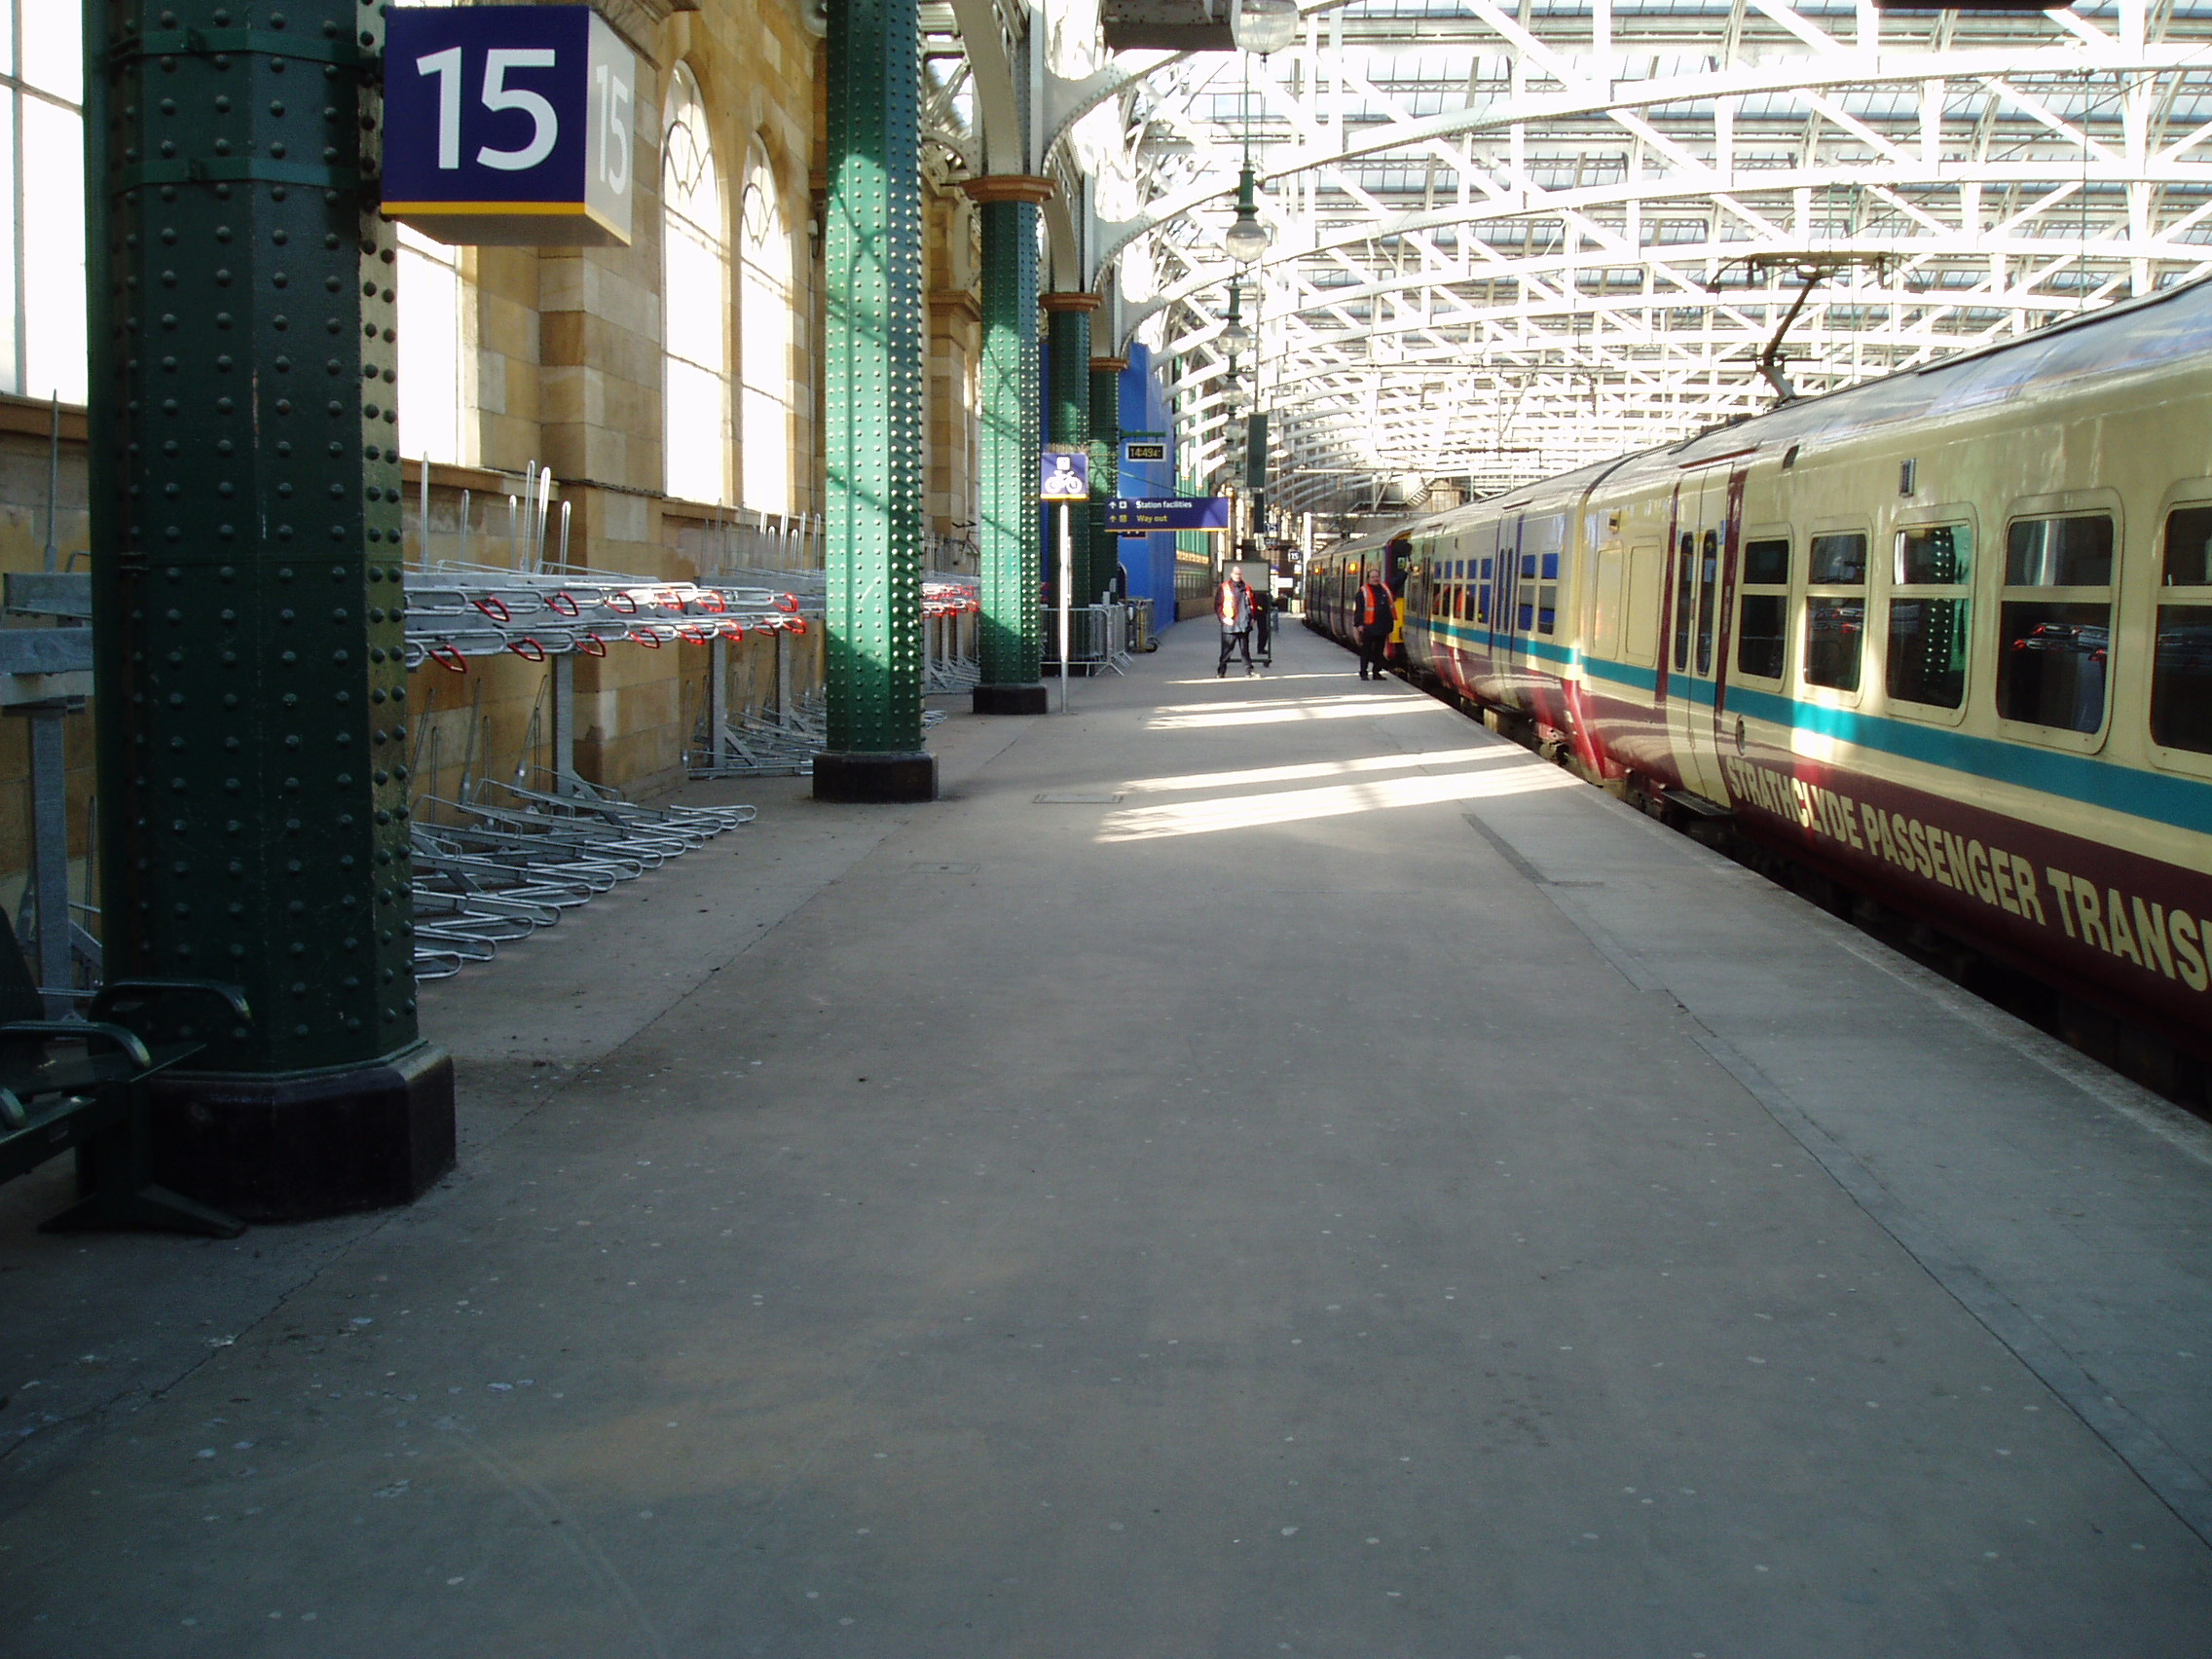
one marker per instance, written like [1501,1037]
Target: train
[1943,636]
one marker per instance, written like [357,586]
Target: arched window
[764,336]
[694,303]
[42,242]
[434,385]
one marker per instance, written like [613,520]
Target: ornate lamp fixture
[1262,26]
[1246,237]
[1233,334]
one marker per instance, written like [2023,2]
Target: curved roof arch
[1511,238]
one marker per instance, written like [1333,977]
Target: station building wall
[515,359]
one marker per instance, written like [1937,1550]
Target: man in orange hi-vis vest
[1375,612]
[1233,609]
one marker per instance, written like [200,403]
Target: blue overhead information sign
[1204,512]
[509,124]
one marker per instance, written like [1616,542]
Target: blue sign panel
[1204,512]
[1068,477]
[509,124]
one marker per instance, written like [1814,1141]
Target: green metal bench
[84,1087]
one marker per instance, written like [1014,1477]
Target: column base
[297,1148]
[868,780]
[1011,700]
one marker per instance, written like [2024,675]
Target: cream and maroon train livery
[1947,635]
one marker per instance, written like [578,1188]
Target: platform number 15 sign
[509,124]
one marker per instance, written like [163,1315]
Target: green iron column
[1008,464]
[247,601]
[872,406]
[1105,467]
[1067,379]
[1256,472]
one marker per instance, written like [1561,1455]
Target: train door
[1505,592]
[1704,546]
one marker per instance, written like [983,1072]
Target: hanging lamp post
[1246,237]
[1233,334]
[1262,26]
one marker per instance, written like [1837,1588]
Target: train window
[2059,552]
[1928,614]
[2054,627]
[1838,561]
[1708,585]
[1762,617]
[2181,676]
[1482,595]
[1835,623]
[1766,563]
[1685,587]
[2189,547]
[1833,630]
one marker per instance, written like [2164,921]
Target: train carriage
[1947,635]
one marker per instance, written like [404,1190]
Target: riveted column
[873,405]
[1008,464]
[1256,472]
[1067,380]
[247,601]
[1105,468]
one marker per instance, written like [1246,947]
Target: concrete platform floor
[1262,1167]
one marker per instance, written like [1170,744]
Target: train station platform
[1262,1166]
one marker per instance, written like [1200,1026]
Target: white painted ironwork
[1511,238]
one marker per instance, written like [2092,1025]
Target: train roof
[1560,488]
[2145,335]
[1381,537]
[2150,334]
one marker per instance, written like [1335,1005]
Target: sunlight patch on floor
[1338,800]
[1322,769]
[1269,676]
[1213,716]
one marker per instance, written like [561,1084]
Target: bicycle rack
[499,870]
[458,612]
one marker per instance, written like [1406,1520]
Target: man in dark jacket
[1375,612]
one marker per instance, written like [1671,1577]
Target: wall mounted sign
[1066,477]
[509,126]
[1204,512]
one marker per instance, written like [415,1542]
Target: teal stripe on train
[1479,639]
[2185,803]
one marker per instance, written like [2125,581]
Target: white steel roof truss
[1509,241]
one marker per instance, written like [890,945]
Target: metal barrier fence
[1099,637]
